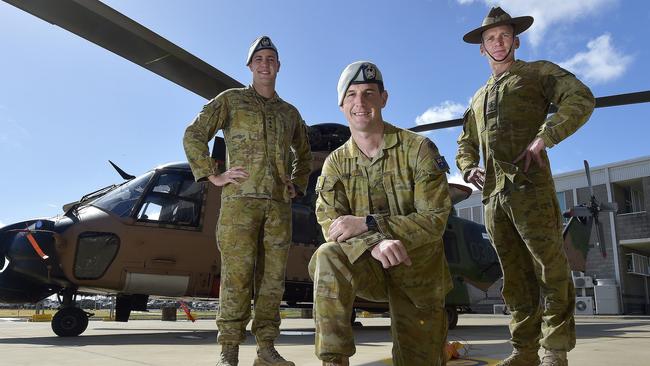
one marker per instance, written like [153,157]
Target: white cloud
[456,177]
[443,112]
[12,134]
[2,224]
[547,13]
[601,63]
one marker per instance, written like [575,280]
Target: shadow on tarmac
[493,338]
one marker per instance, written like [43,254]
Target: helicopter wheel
[69,322]
[452,317]
[353,319]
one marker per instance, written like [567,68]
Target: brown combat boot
[554,358]
[344,362]
[267,355]
[229,355]
[521,358]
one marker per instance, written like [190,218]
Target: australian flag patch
[441,163]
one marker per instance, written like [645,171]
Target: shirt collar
[514,67]
[391,139]
[253,93]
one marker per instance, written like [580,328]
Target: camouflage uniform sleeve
[332,202]
[432,203]
[303,158]
[198,134]
[468,156]
[574,100]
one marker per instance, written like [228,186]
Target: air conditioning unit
[500,309]
[584,305]
[583,282]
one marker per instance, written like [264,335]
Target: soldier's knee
[325,255]
[329,251]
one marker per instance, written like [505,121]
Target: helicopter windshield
[121,200]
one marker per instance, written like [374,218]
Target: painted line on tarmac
[13,319]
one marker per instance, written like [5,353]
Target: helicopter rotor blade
[609,207]
[588,172]
[106,27]
[437,125]
[110,29]
[599,236]
[601,102]
[578,211]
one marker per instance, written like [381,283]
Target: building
[621,278]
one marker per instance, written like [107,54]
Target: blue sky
[67,106]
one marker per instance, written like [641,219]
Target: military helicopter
[153,235]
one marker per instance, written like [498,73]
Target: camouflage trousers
[525,228]
[418,333]
[254,236]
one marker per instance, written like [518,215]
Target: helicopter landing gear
[353,319]
[452,317]
[69,321]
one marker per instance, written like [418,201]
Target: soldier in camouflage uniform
[507,120]
[268,163]
[383,203]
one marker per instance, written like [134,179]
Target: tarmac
[602,341]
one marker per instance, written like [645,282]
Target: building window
[629,196]
[561,200]
[465,213]
[477,214]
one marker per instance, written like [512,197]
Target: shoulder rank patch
[441,163]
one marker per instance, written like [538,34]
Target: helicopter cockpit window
[121,200]
[174,199]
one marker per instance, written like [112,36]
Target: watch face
[371,223]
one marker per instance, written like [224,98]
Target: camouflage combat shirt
[510,111]
[402,187]
[265,136]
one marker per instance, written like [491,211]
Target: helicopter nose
[26,272]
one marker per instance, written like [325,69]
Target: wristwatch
[371,223]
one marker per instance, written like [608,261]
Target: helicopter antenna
[122,173]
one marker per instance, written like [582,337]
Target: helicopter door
[168,237]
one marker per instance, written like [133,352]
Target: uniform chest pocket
[399,192]
[325,189]
[244,128]
[492,104]
[478,110]
[356,190]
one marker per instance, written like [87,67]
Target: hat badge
[265,42]
[369,72]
